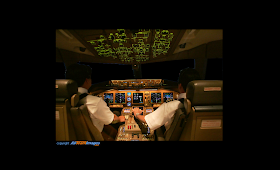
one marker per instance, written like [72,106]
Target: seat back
[205,122]
[84,128]
[72,121]
[65,90]
[176,128]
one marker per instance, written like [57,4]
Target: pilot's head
[80,73]
[185,76]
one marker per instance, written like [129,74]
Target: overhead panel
[130,45]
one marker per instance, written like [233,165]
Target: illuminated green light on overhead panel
[161,44]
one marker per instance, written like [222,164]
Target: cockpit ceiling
[133,45]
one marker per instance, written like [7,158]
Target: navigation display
[108,97]
[120,98]
[155,97]
[137,97]
[167,96]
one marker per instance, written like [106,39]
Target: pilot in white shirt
[164,115]
[99,112]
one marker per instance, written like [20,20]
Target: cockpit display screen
[149,110]
[120,98]
[155,97]
[137,97]
[167,96]
[108,97]
[126,111]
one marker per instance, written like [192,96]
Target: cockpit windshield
[159,70]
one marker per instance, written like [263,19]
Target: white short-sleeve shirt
[99,112]
[164,115]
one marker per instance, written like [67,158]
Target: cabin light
[182,45]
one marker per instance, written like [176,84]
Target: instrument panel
[148,98]
[146,94]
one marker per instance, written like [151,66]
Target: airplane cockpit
[200,116]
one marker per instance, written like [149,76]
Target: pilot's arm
[118,119]
[137,113]
[158,117]
[103,113]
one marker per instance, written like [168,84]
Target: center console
[131,130]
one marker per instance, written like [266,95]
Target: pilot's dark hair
[78,72]
[187,75]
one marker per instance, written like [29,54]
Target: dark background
[159,70]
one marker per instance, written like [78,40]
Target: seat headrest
[65,88]
[205,92]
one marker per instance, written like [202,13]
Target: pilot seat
[72,119]
[201,117]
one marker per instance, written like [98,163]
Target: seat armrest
[160,136]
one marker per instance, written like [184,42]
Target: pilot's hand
[122,118]
[137,110]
